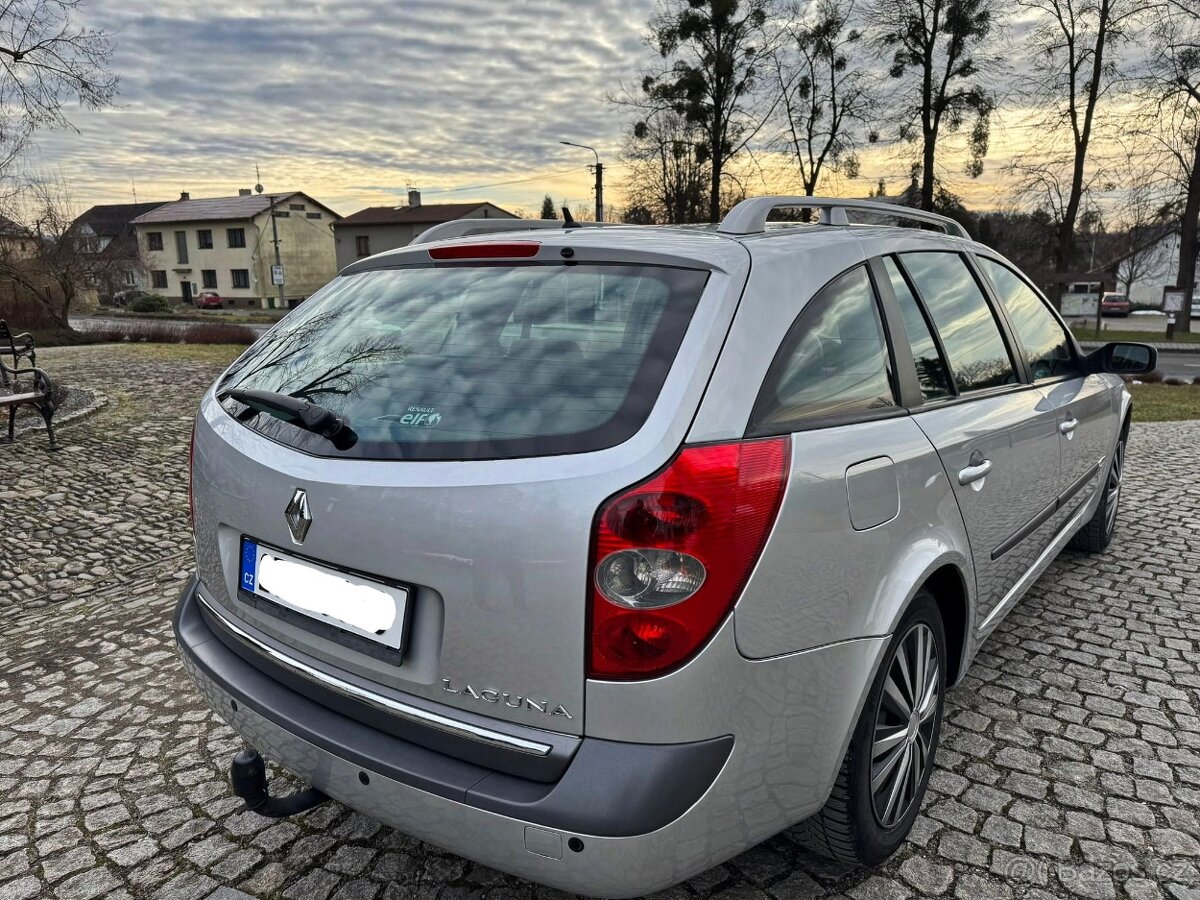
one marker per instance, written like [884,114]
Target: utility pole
[599,167]
[274,240]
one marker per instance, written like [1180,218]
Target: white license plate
[362,606]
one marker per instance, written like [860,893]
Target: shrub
[172,333]
[150,303]
[1150,378]
[1174,380]
[219,333]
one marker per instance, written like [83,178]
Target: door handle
[1068,427]
[975,473]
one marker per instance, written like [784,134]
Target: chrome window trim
[395,707]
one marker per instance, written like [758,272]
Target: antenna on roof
[568,219]
[133,184]
[258,188]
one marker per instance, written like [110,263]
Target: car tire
[1097,534]
[857,825]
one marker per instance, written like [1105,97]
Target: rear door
[996,435]
[494,406]
[1083,403]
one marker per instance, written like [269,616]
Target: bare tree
[668,176]
[1174,84]
[934,46]
[1074,68]
[46,62]
[712,48]
[52,263]
[1146,217]
[824,90]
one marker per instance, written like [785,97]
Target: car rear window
[475,361]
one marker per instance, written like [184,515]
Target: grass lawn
[1088,333]
[1165,402]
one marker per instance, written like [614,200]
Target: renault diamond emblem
[298,517]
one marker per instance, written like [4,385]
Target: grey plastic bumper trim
[395,707]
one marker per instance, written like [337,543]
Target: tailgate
[485,515]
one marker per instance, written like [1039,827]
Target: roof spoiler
[750,216]
[466,227]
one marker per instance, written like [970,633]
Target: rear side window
[932,374]
[833,362]
[963,319]
[475,361]
[1043,340]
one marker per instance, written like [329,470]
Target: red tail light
[671,555]
[508,250]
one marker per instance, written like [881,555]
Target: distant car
[209,300]
[1112,304]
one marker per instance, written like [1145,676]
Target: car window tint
[963,319]
[1043,340]
[476,361]
[931,368]
[833,361]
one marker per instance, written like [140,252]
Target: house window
[313,215]
[181,252]
[281,214]
[154,241]
[158,279]
[362,245]
[204,239]
[241,277]
[236,237]
[209,277]
[130,278]
[297,206]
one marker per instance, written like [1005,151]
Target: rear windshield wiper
[302,413]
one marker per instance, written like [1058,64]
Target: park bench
[15,347]
[15,390]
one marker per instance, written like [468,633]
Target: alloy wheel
[905,722]
[1113,487]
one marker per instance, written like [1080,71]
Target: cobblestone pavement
[1070,764]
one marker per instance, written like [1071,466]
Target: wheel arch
[948,578]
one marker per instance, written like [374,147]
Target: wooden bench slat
[13,399]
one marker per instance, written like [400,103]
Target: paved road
[1179,365]
[1070,765]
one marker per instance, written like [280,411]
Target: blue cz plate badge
[356,604]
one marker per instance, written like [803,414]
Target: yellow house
[226,245]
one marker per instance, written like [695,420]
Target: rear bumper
[610,791]
[648,814]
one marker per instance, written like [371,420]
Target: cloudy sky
[352,102]
[355,101]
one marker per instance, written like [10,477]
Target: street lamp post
[599,178]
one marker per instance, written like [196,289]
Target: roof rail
[750,216]
[464,227]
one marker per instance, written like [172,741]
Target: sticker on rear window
[419,416]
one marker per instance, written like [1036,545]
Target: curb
[99,402]
[1161,347]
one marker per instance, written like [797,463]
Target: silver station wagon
[600,554]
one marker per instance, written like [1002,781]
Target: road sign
[1172,300]
[276,274]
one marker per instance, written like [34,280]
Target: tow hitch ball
[248,773]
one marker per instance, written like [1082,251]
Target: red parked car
[209,300]
[1112,304]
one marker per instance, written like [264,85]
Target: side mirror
[1124,359]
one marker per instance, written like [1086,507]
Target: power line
[480,187]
